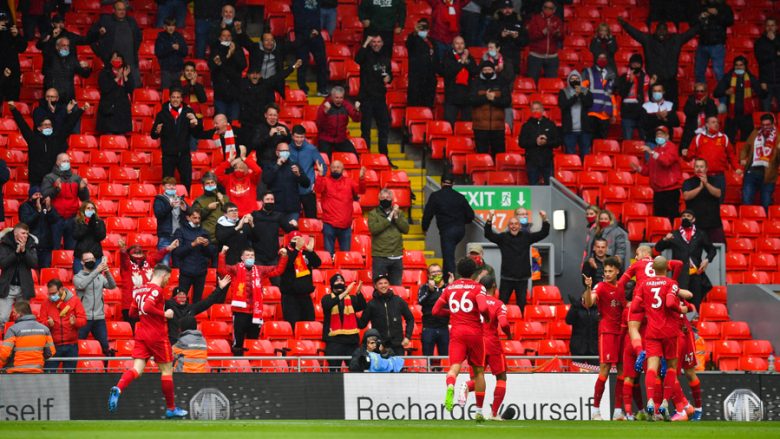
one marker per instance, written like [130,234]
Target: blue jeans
[229,109]
[629,125]
[203,28]
[63,351]
[582,139]
[536,65]
[537,172]
[754,182]
[330,234]
[450,238]
[716,53]
[161,244]
[328,20]
[291,216]
[172,8]
[438,337]
[440,49]
[99,332]
[62,230]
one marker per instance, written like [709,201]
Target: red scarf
[634,91]
[687,234]
[140,274]
[230,143]
[175,112]
[121,80]
[300,265]
[343,323]
[462,78]
[452,16]
[748,104]
[243,296]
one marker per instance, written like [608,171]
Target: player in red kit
[151,340]
[465,302]
[610,304]
[688,359]
[642,268]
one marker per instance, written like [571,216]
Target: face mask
[637,70]
[65,166]
[437,278]
[523,221]
[138,260]
[232,221]
[249,263]
[170,192]
[90,265]
[181,299]
[604,224]
[700,95]
[64,52]
[228,21]
[657,96]
[478,260]
[492,53]
[423,34]
[268,207]
[192,224]
[225,43]
[116,63]
[537,114]
[385,204]
[739,72]
[335,175]
[574,83]
[590,219]
[660,141]
[601,63]
[284,155]
[55,298]
[210,188]
[47,131]
[687,223]
[89,213]
[339,288]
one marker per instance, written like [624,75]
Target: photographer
[373,356]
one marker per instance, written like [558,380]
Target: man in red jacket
[135,268]
[63,314]
[67,190]
[545,32]
[332,119]
[337,192]
[663,167]
[241,183]
[714,147]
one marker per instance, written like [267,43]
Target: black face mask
[686,223]
[574,83]
[268,207]
[335,175]
[90,265]
[637,70]
[385,204]
[339,288]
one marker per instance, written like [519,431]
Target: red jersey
[636,313]
[149,305]
[611,304]
[658,298]
[643,270]
[497,313]
[466,301]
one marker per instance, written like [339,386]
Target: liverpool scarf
[229,148]
[748,105]
[343,323]
[763,146]
[249,290]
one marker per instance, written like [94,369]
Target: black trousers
[309,203]
[375,110]
[600,127]
[451,113]
[330,147]
[490,141]
[243,328]
[742,124]
[667,204]
[519,287]
[297,308]
[333,349]
[197,283]
[181,162]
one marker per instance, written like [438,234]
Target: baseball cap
[474,247]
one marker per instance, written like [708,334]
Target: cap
[33,190]
[663,129]
[688,211]
[487,63]
[635,58]
[290,236]
[501,4]
[379,277]
[474,247]
[447,178]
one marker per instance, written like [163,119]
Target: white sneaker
[618,415]
[496,418]
[463,394]
[596,416]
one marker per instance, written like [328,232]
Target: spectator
[240,178]
[604,42]
[384,312]
[35,15]
[715,148]
[90,284]
[337,193]
[699,107]
[538,137]
[632,87]
[508,31]
[116,85]
[174,125]
[584,324]
[207,17]
[489,96]
[63,314]
[272,133]
[190,350]
[546,37]
[662,52]
[227,21]
[58,30]
[170,49]
[306,157]
[375,74]
[739,89]
[210,205]
[767,52]
[169,209]
[340,326]
[18,258]
[183,309]
[592,216]
[117,33]
[329,16]
[435,330]
[594,266]
[233,232]
[617,239]
[46,142]
[662,11]
[285,178]
[703,194]
[689,244]
[135,268]
[383,19]
[457,69]
[422,70]
[445,26]
[473,21]
[575,102]
[306,15]
[176,9]
[66,190]
[246,293]
[38,213]
[658,112]
[267,57]
[387,224]
[758,156]
[27,344]
[224,136]
[375,356]
[599,79]
[475,251]
[452,213]
[12,43]
[226,63]
[663,168]
[296,283]
[50,107]
[193,255]
[714,17]
[89,231]
[515,246]
[193,92]
[265,231]
[256,94]
[333,121]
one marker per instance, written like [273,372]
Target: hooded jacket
[541,45]
[617,242]
[384,313]
[191,352]
[44,149]
[89,235]
[364,361]
[575,107]
[62,331]
[192,261]
[332,124]
[236,240]
[40,223]
[241,186]
[21,264]
[289,283]
[68,197]
[208,216]
[515,250]
[89,287]
[26,346]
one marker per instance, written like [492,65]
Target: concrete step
[414,245]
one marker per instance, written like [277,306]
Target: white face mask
[225,43]
[423,34]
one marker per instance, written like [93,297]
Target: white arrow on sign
[521,199]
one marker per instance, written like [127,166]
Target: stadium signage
[502,200]
[34,398]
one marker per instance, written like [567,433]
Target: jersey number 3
[656,298]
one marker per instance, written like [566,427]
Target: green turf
[383,429]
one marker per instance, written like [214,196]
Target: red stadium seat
[213,330]
[757,348]
[735,331]
[713,312]
[414,259]
[308,330]
[718,294]
[277,330]
[753,364]
[546,295]
[119,330]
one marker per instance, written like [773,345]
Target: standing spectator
[767,51]
[227,21]
[383,18]
[176,9]
[515,246]
[584,324]
[285,178]
[207,17]
[240,183]
[89,231]
[170,49]
[742,93]
[35,15]
[308,40]
[632,87]
[64,314]
[193,254]
[594,265]
[473,21]
[268,56]
[475,251]
[604,42]
[337,192]
[599,79]
[265,231]
[575,102]
[210,205]
[174,125]
[445,26]
[545,31]
[592,216]
[306,157]
[255,95]
[233,232]
[46,142]
[226,62]
[538,137]
[508,31]
[715,148]
[40,216]
[663,168]
[608,229]
[272,133]
[192,91]
[340,325]
[296,283]
[90,284]
[225,137]
[117,33]
[698,108]
[452,213]
[116,85]
[457,69]
[387,224]
[169,210]
[489,96]
[333,122]
[12,43]
[658,112]
[703,194]
[422,70]
[758,156]
[27,344]
[435,329]
[375,74]
[183,309]
[689,244]
[135,268]
[66,190]
[18,258]
[58,30]
[714,18]
[50,107]
[384,312]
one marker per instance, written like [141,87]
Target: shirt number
[139,301]
[656,298]
[465,304]
[649,271]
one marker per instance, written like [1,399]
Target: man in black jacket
[452,213]
[38,213]
[12,43]
[435,332]
[385,312]
[173,125]
[170,48]
[713,17]
[339,325]
[375,74]
[183,308]
[767,51]
[633,87]
[422,71]
[60,67]
[50,107]
[515,245]
[265,233]
[296,283]
[741,92]
[283,178]
[120,33]
[226,62]
[457,69]
[233,232]
[584,324]
[539,136]
[58,30]
[267,56]
[508,31]
[698,108]
[18,258]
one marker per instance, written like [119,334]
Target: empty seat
[715,312]
[735,331]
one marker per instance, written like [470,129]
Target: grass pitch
[382,429]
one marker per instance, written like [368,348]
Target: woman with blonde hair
[89,231]
[607,228]
[604,42]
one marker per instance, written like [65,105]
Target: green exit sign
[496,197]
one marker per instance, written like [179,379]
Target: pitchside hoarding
[34,397]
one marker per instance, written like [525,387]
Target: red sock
[696,392]
[637,394]
[658,397]
[480,399]
[598,391]
[127,378]
[470,385]
[167,389]
[498,396]
[619,391]
[672,390]
[636,345]
[451,380]
[679,394]
[650,377]
[628,390]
